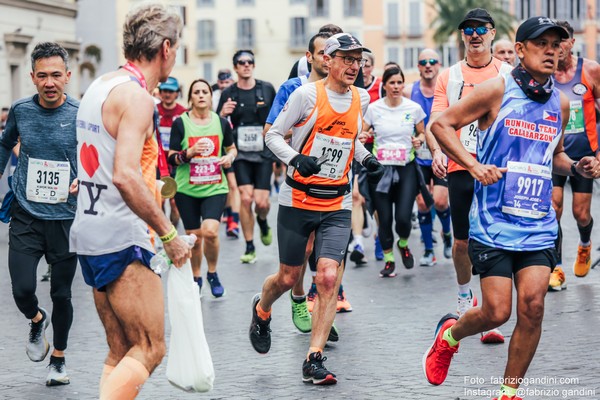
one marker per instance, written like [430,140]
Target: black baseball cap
[477,14]
[536,26]
[224,74]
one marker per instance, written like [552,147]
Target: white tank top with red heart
[103,222]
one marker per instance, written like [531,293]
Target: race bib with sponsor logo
[527,190]
[392,154]
[205,168]
[576,122]
[337,150]
[48,181]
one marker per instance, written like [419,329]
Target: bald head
[504,50]
[429,64]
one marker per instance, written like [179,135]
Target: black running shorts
[491,261]
[428,175]
[579,184]
[194,210]
[257,174]
[38,237]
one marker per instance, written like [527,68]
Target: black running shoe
[313,371]
[407,258]
[447,245]
[388,270]
[260,332]
[334,334]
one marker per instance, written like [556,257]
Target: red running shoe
[436,360]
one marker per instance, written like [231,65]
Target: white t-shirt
[394,126]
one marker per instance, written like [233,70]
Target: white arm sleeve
[292,113]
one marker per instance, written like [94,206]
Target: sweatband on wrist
[169,236]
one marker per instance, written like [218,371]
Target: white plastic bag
[189,366]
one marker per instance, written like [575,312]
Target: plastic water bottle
[161,262]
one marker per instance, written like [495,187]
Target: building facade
[278,30]
[23,24]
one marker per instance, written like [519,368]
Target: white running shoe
[57,375]
[466,303]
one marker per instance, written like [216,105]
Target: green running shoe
[300,315]
[249,257]
[266,237]
[266,234]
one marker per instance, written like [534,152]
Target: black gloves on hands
[374,169]
[305,165]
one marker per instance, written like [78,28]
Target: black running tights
[23,276]
[397,204]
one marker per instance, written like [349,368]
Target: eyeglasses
[431,61]
[481,30]
[245,62]
[350,60]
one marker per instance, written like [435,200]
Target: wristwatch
[574,168]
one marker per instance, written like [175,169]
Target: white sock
[299,298]
[359,241]
[464,290]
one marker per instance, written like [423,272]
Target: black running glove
[374,169]
[305,165]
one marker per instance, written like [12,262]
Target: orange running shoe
[311,297]
[343,305]
[582,264]
[557,280]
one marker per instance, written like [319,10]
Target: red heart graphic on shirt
[89,159]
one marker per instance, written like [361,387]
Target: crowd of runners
[486,146]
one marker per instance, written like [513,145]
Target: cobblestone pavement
[379,353]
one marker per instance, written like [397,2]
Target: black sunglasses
[431,61]
[481,30]
[245,62]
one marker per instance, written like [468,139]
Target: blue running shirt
[516,213]
[423,154]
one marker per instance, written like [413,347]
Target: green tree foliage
[450,13]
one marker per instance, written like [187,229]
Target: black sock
[57,360]
[262,223]
[249,246]
[585,232]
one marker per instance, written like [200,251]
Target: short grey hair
[47,50]
[146,28]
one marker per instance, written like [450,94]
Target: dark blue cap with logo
[535,26]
